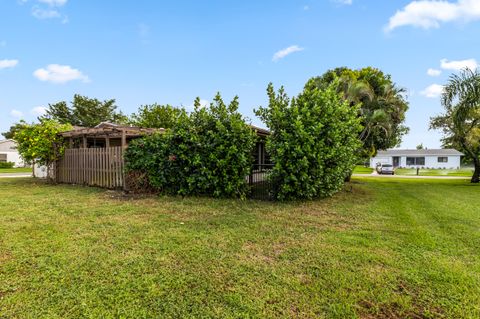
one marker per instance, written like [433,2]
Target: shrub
[6,164]
[40,143]
[207,152]
[313,143]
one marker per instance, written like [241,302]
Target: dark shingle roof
[425,152]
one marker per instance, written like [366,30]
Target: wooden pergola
[106,133]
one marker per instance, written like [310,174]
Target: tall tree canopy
[157,116]
[461,121]
[84,111]
[382,105]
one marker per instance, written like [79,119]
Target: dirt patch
[253,252]
[394,310]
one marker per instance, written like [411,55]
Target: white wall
[40,171]
[430,161]
[15,158]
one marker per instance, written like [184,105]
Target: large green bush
[207,152]
[313,142]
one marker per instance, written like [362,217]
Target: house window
[416,161]
[3,158]
[443,159]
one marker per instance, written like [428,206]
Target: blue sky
[141,52]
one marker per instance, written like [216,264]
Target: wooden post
[107,142]
[124,139]
[124,146]
[84,160]
[70,142]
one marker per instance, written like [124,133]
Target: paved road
[410,176]
[14,175]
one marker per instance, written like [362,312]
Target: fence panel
[261,186]
[101,167]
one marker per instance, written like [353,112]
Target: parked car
[386,169]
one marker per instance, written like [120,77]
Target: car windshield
[387,165]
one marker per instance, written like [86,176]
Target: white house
[8,153]
[426,158]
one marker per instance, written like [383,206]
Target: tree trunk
[476,173]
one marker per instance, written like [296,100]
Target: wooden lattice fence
[103,167]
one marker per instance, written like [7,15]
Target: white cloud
[4,64]
[306,8]
[433,91]
[16,113]
[191,107]
[428,14]
[41,13]
[347,2]
[39,111]
[54,3]
[287,51]
[60,74]
[434,72]
[472,64]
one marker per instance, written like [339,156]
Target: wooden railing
[102,167]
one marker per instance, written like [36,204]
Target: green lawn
[384,248]
[360,169]
[16,170]
[468,172]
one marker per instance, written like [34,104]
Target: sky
[169,52]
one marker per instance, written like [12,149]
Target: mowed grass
[359,169]
[467,172]
[383,248]
[16,170]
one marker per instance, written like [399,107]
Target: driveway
[375,174]
[14,175]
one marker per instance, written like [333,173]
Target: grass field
[383,248]
[16,170]
[435,172]
[359,169]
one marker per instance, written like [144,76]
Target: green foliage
[313,142]
[85,112]
[207,152]
[461,121]
[382,105]
[40,143]
[13,129]
[157,116]
[6,164]
[420,146]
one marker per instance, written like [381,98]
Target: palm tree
[382,110]
[461,121]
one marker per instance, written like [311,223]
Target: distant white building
[8,153]
[426,158]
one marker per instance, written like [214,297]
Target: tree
[85,112]
[461,121]
[420,146]
[157,116]
[313,141]
[382,105]
[13,129]
[207,152]
[40,143]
